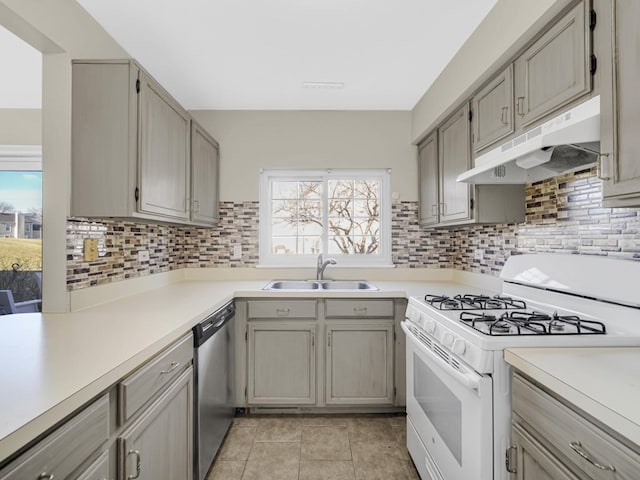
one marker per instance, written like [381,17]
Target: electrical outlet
[143,256]
[478,254]
[237,252]
[90,249]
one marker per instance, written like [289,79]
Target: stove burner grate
[473,302]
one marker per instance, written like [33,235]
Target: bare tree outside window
[352,216]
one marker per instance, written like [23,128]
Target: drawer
[281,309]
[562,427]
[359,308]
[139,387]
[64,450]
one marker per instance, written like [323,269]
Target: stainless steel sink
[333,285]
[292,285]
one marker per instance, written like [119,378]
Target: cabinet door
[554,70]
[428,180]
[455,158]
[493,111]
[534,461]
[164,135]
[204,176]
[282,363]
[620,97]
[158,446]
[359,360]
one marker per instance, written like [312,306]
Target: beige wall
[507,27]
[20,126]
[251,140]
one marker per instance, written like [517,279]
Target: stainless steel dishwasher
[214,379]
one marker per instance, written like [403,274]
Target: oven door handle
[469,380]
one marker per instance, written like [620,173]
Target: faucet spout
[322,265]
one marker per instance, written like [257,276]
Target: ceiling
[21,78]
[252,54]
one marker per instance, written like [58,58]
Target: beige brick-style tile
[379,461]
[238,443]
[325,443]
[226,470]
[325,420]
[248,421]
[273,461]
[370,429]
[279,429]
[398,420]
[326,470]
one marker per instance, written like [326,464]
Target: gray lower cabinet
[159,444]
[205,158]
[281,362]
[492,109]
[555,69]
[620,105]
[67,448]
[359,362]
[553,440]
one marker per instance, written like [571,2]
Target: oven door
[451,409]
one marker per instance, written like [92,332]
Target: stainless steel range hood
[566,143]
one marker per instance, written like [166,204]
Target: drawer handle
[577,447]
[172,367]
[45,476]
[282,311]
[360,310]
[138,464]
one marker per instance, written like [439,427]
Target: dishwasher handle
[208,327]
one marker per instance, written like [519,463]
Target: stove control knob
[447,339]
[429,325]
[459,347]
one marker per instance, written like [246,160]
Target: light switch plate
[90,249]
[478,254]
[237,252]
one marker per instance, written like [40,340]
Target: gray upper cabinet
[492,109]
[454,158]
[620,105]
[205,158]
[131,149]
[555,69]
[428,180]
[164,134]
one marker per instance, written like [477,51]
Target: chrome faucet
[322,265]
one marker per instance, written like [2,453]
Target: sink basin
[292,285]
[333,285]
[348,285]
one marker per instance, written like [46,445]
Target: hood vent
[566,143]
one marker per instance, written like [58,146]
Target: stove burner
[473,302]
[531,323]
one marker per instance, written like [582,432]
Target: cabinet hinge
[138,85]
[471,204]
[593,18]
[136,194]
[470,115]
[594,64]
[509,460]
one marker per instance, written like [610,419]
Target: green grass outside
[25,252]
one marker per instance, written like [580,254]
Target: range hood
[566,143]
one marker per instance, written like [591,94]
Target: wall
[20,126]
[481,55]
[251,140]
[563,215]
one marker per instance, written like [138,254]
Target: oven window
[440,405]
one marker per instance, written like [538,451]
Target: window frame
[268,259]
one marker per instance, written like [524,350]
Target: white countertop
[603,382]
[55,363]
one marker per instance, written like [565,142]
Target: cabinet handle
[505,115]
[196,206]
[434,210]
[360,310]
[283,312]
[577,447]
[520,106]
[172,367]
[138,464]
[45,476]
[508,461]
[601,162]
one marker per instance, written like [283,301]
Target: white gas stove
[458,384]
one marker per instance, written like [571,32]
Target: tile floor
[306,447]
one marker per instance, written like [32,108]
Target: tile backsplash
[563,215]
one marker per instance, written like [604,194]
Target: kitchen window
[343,214]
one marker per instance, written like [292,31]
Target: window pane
[309,245]
[284,245]
[285,189]
[341,188]
[310,190]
